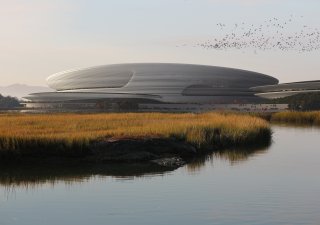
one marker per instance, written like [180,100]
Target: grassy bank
[307,118]
[72,134]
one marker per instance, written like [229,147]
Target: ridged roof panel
[158,75]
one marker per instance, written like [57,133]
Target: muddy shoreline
[168,152]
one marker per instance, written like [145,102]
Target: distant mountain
[22,90]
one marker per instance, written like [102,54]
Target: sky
[42,37]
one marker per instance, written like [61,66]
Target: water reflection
[233,156]
[31,175]
[275,185]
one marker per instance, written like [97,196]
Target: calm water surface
[277,185]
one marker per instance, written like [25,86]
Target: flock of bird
[272,34]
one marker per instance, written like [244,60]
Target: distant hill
[22,90]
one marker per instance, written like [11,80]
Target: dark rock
[169,162]
[129,157]
[129,150]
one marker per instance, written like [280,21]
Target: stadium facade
[162,87]
[287,89]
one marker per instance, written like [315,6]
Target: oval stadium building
[150,86]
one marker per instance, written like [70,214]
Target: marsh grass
[72,134]
[308,118]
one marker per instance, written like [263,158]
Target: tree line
[9,102]
[301,102]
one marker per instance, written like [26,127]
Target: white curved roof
[287,89]
[165,82]
[157,75]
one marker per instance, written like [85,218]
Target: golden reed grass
[309,118]
[61,132]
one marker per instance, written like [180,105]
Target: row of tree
[301,102]
[9,102]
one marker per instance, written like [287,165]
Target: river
[276,185]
